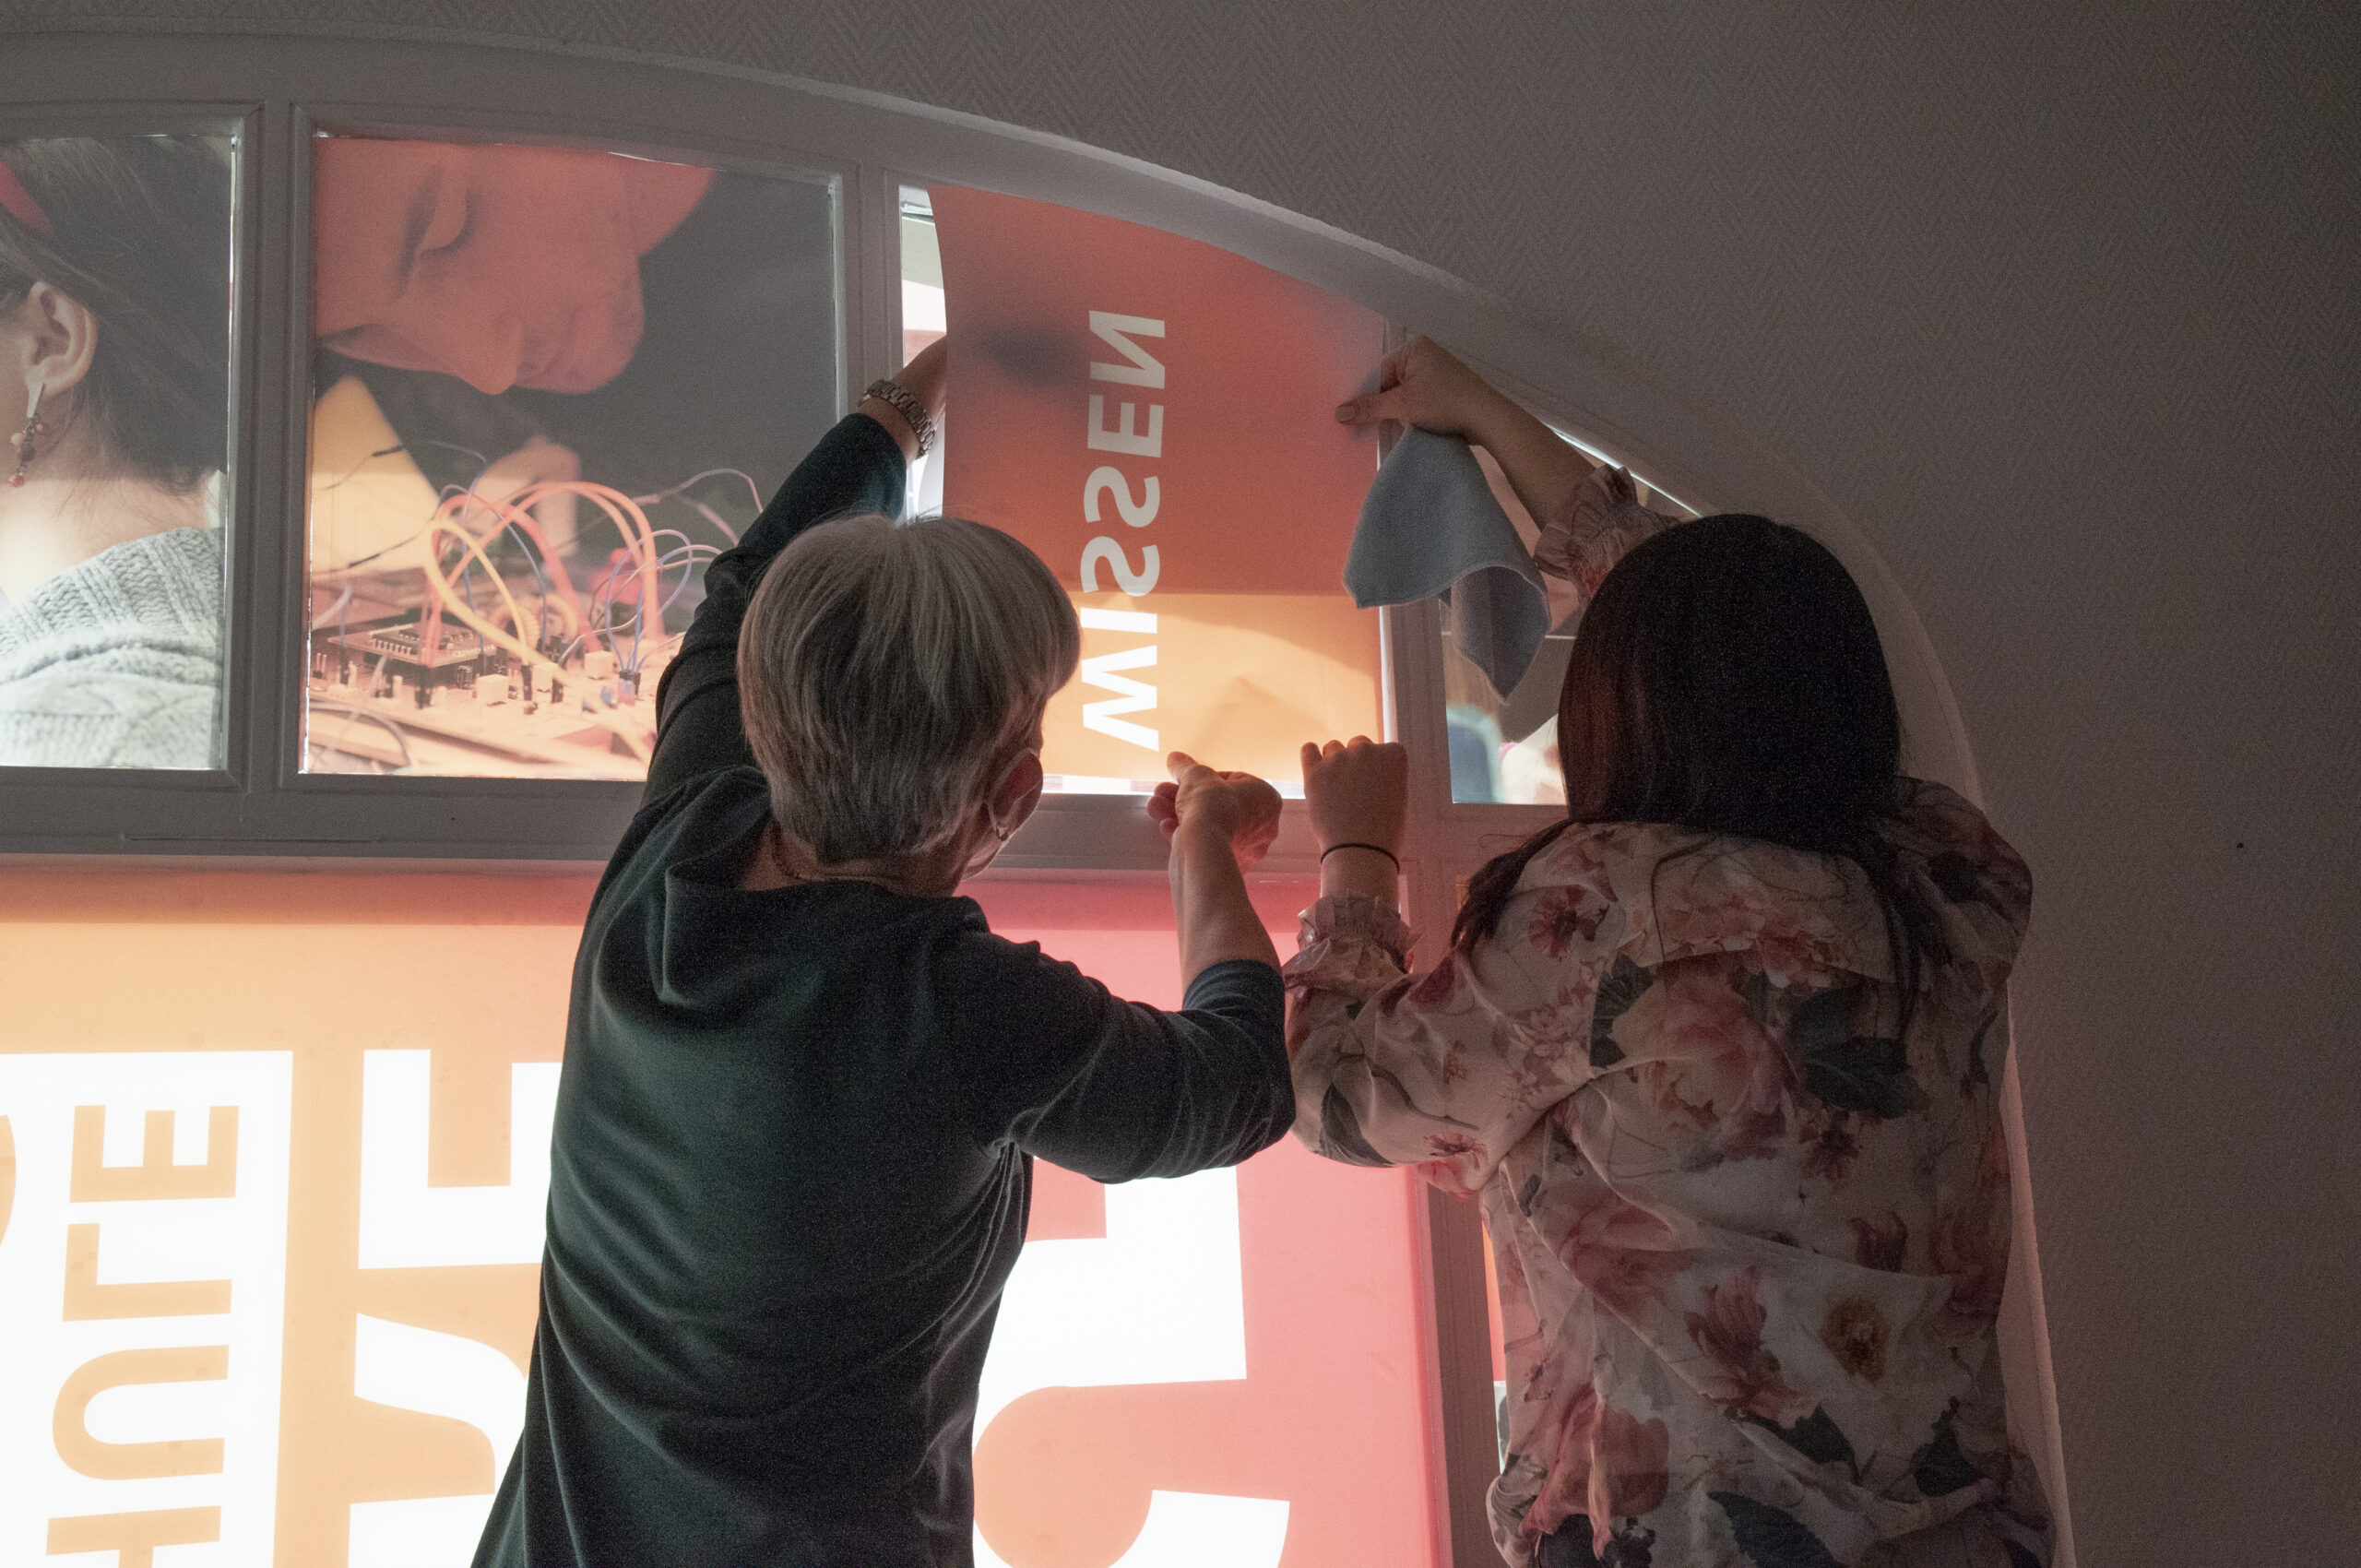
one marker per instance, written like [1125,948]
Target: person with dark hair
[115,344]
[1719,1053]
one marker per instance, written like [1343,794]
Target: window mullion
[1435,857]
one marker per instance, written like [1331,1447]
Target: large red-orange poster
[1154,417]
[273,1161]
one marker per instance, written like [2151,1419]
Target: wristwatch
[896,396]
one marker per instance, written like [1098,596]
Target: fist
[1359,792]
[1239,806]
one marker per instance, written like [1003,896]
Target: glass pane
[1224,1369]
[115,332]
[1505,745]
[1498,1335]
[550,385]
[1153,416]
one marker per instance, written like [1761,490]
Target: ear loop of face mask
[1000,835]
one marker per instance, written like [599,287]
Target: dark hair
[141,239]
[1726,676]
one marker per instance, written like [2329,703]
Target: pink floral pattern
[1605,522]
[1740,1373]
[1632,1465]
[1751,1249]
[1751,1245]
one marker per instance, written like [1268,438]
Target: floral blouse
[1751,1235]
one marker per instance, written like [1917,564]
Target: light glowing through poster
[1154,417]
[273,1152]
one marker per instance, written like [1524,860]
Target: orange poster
[1152,415]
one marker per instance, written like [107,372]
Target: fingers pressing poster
[552,384]
[1154,417]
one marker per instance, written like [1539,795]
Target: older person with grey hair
[804,1083]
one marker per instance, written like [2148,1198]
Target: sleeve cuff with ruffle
[1369,919]
[1333,926]
[1596,530]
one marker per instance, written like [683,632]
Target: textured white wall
[2061,307]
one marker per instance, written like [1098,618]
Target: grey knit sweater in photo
[116,662]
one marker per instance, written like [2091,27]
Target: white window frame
[261,807]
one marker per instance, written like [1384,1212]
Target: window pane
[115,324]
[550,385]
[1498,1335]
[1154,417]
[1235,1361]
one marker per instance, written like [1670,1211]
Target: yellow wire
[434,569]
[616,504]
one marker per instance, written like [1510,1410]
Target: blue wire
[541,582]
[612,589]
[734,473]
[468,580]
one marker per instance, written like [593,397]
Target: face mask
[1000,835]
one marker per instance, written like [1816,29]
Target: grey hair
[884,667]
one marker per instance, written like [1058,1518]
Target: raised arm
[1422,384]
[1588,516]
[1219,824]
[860,465]
[1441,1071]
[1114,1089]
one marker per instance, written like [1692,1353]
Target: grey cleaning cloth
[1430,526]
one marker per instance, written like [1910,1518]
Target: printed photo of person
[114,352]
[552,384]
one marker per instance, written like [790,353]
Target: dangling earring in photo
[24,443]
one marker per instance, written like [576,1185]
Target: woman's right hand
[1420,382]
[1238,807]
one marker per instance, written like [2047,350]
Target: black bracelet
[1373,848]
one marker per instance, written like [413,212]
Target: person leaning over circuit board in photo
[804,1083]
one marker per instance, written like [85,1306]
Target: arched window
[509,348]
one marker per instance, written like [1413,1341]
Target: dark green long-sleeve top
[792,1158]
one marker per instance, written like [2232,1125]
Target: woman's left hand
[1357,791]
[1423,384]
[1240,806]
